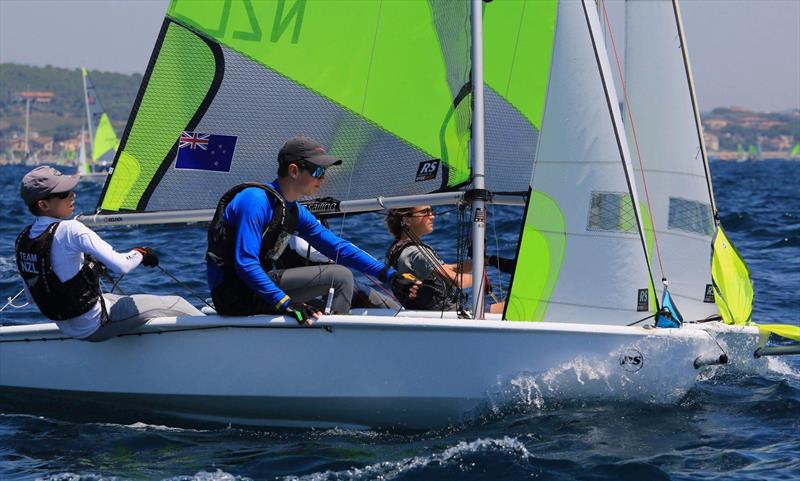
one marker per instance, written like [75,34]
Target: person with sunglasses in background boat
[251,228]
[441,282]
[61,261]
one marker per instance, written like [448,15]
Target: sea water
[742,428]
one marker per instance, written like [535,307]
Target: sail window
[611,211]
[690,216]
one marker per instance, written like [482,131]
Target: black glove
[301,312]
[149,258]
[401,286]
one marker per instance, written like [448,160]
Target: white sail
[581,258]
[83,161]
[661,110]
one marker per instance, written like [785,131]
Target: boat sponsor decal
[631,360]
[480,216]
[427,170]
[643,303]
[201,151]
[709,297]
[324,205]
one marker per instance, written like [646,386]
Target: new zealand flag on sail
[200,151]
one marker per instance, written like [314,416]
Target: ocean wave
[451,456]
[218,475]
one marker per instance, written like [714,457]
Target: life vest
[232,296]
[57,300]
[291,259]
[435,294]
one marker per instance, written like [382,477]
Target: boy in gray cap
[60,261]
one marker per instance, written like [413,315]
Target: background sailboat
[103,141]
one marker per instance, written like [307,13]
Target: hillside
[63,116]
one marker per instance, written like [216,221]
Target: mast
[478,184]
[695,108]
[88,114]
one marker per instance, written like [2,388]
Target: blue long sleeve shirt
[249,213]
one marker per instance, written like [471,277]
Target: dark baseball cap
[43,181]
[304,148]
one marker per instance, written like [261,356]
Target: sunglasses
[314,171]
[428,211]
[60,195]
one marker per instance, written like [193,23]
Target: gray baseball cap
[302,148]
[43,181]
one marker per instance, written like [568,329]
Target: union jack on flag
[194,140]
[212,152]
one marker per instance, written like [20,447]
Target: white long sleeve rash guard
[71,241]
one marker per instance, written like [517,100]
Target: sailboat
[397,102]
[795,152]
[103,141]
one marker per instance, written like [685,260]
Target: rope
[635,137]
[182,284]
[11,302]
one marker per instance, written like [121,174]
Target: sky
[744,52]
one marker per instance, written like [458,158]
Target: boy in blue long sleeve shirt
[250,230]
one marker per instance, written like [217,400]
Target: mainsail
[380,83]
[666,141]
[103,139]
[582,256]
[518,49]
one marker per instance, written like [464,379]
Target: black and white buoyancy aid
[55,299]
[435,294]
[221,244]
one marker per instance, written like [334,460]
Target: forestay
[660,108]
[582,256]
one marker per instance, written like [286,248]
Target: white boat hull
[374,371]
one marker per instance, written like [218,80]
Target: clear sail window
[690,216]
[611,211]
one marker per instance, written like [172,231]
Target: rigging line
[635,137]
[11,302]
[695,109]
[182,284]
[496,246]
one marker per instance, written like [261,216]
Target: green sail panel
[380,60]
[518,49]
[539,259]
[179,82]
[733,289]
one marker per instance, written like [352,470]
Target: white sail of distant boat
[84,167]
[389,87]
[103,140]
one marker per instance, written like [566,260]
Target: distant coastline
[730,133]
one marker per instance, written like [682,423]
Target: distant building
[712,141]
[715,124]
